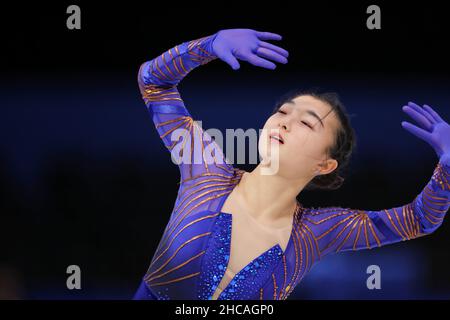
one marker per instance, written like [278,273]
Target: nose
[283,125]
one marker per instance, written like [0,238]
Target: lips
[277,137]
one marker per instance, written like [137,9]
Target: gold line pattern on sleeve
[345,212]
[358,221]
[355,242]
[152,92]
[190,125]
[333,227]
[400,224]
[432,199]
[374,234]
[391,221]
[354,217]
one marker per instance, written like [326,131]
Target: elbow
[147,77]
[143,74]
[429,226]
[430,218]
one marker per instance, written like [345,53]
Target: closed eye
[307,124]
[304,122]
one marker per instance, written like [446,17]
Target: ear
[327,166]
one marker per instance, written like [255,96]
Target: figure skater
[234,234]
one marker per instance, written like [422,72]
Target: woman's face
[307,127]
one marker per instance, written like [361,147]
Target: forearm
[341,229]
[433,202]
[426,212]
[159,77]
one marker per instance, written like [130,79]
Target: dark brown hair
[344,142]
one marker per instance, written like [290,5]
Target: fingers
[417,116]
[268,36]
[260,62]
[418,132]
[435,115]
[421,111]
[272,55]
[231,60]
[275,48]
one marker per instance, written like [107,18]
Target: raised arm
[341,229]
[158,80]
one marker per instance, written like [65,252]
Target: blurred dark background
[85,179]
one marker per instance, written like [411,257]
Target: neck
[270,197]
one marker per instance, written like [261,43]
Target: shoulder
[206,187]
[328,215]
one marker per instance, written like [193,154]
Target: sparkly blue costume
[194,250]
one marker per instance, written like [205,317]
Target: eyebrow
[315,115]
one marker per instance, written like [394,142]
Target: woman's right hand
[248,45]
[432,128]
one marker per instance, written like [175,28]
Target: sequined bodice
[242,284]
[250,240]
[239,260]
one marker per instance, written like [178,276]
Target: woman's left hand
[248,45]
[432,128]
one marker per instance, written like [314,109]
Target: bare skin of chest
[249,238]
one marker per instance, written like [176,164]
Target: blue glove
[433,129]
[248,45]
